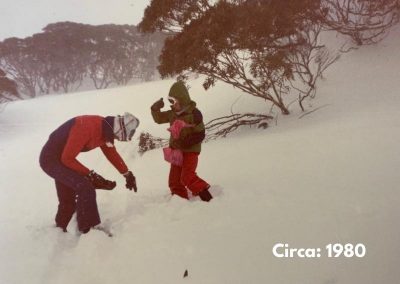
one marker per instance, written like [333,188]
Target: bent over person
[74,182]
[187,133]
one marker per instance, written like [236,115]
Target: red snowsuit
[184,176]
[187,133]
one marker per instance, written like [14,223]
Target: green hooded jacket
[190,137]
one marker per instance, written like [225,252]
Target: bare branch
[365,21]
[222,126]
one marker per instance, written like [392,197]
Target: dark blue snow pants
[74,191]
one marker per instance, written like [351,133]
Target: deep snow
[330,176]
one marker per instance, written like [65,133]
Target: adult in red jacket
[75,183]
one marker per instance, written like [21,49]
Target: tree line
[66,55]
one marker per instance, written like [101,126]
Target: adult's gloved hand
[158,105]
[99,182]
[130,181]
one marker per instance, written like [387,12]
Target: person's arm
[115,159]
[158,115]
[76,141]
[161,116]
[197,132]
[193,139]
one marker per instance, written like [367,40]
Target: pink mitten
[173,156]
[177,127]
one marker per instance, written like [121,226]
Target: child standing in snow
[75,183]
[187,133]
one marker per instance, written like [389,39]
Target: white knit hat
[125,126]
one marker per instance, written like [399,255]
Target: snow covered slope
[328,177]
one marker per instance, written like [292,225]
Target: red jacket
[86,134]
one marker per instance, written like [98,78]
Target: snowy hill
[328,177]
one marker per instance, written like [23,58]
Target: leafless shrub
[309,64]
[222,126]
[149,142]
[216,128]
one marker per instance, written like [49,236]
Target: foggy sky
[22,18]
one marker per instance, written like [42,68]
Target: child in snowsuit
[183,177]
[75,183]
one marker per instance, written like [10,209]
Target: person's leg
[174,182]
[87,213]
[191,180]
[66,205]
[86,206]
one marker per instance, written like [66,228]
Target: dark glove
[130,181]
[158,105]
[99,182]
